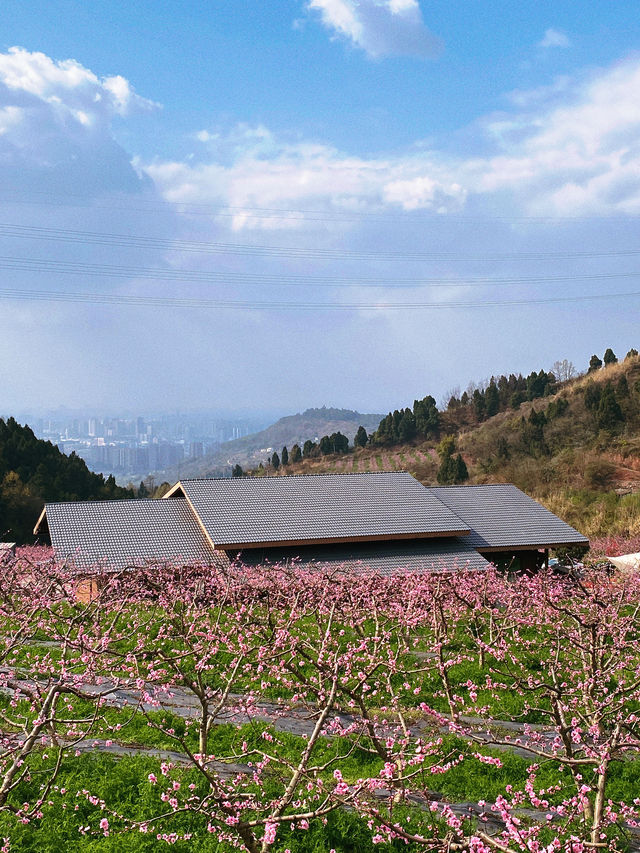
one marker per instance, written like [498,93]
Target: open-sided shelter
[386,521]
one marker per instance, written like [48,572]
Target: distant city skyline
[276,206]
[133,448]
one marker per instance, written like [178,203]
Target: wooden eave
[41,518]
[175,492]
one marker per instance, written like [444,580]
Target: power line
[64,235]
[160,301]
[298,214]
[45,265]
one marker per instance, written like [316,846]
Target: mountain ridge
[250,450]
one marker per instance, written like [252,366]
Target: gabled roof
[387,521]
[387,558]
[502,517]
[117,534]
[250,512]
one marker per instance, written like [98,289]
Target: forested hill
[33,471]
[252,449]
[571,441]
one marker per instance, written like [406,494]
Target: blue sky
[372,181]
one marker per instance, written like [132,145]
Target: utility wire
[300,214]
[44,265]
[160,301]
[64,235]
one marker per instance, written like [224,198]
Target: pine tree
[237,471]
[361,437]
[296,454]
[461,472]
[609,414]
[492,399]
[610,357]
[479,405]
[449,468]
[340,442]
[595,363]
[622,388]
[285,456]
[275,461]
[326,445]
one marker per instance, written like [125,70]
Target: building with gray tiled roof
[386,521]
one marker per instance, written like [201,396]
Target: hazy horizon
[319,202]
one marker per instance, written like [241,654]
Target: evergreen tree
[285,456]
[622,388]
[426,416]
[517,398]
[492,399]
[340,442]
[296,454]
[556,408]
[452,469]
[407,427]
[237,471]
[595,363]
[610,357]
[460,473]
[479,405]
[309,449]
[592,394]
[275,461]
[609,414]
[326,445]
[361,437]
[533,441]
[143,492]
[633,353]
[503,448]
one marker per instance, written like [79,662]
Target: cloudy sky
[269,206]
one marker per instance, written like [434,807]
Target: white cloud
[55,125]
[379,27]
[305,175]
[67,83]
[578,157]
[571,149]
[554,38]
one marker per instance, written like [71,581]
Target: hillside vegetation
[573,444]
[33,471]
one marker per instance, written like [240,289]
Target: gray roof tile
[501,516]
[116,534]
[316,507]
[387,558]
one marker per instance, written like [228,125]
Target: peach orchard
[267,701]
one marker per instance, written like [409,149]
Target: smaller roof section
[313,508]
[385,558]
[118,534]
[501,517]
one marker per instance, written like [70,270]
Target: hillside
[33,471]
[252,449]
[575,447]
